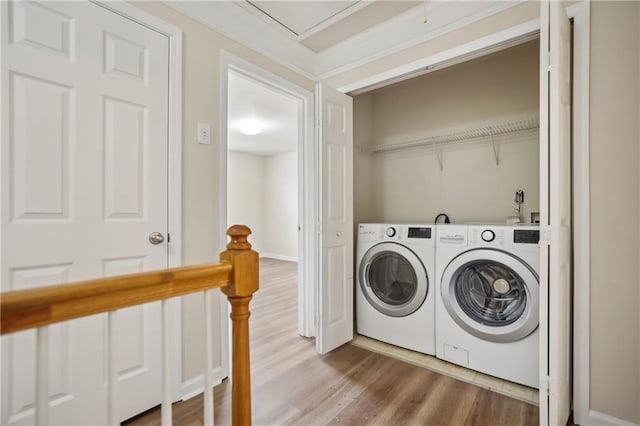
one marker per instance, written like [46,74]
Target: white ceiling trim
[227,18]
[319,27]
[509,37]
[335,18]
[400,32]
[403,31]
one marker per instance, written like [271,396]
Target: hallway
[293,385]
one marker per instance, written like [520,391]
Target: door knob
[156,238]
[339,233]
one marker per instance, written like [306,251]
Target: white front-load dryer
[395,287]
[487,299]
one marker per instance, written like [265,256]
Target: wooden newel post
[239,292]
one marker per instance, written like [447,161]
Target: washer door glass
[393,279]
[492,295]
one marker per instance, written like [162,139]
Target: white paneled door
[555,213]
[84,184]
[335,285]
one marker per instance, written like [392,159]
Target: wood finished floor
[292,385]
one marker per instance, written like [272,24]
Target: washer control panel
[488,235]
[421,235]
[423,232]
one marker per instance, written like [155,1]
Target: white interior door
[555,213]
[335,283]
[84,183]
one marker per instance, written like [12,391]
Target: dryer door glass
[393,279]
[490,293]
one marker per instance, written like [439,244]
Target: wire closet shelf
[481,133]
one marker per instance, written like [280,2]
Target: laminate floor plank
[293,385]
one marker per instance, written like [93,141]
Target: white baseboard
[601,419]
[279,257]
[195,385]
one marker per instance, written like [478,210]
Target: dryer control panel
[526,236]
[504,236]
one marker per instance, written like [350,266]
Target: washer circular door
[393,279]
[491,294]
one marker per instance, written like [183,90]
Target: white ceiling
[275,114]
[318,25]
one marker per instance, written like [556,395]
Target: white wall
[407,185]
[281,206]
[246,194]
[262,193]
[615,209]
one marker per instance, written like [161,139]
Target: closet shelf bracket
[439,155]
[496,147]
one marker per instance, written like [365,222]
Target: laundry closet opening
[465,141]
[461,140]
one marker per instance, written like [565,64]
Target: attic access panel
[301,17]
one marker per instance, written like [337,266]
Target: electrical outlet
[204,133]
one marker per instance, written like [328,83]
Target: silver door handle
[156,238]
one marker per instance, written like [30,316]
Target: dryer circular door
[491,294]
[393,279]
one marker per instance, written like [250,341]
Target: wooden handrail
[236,275]
[37,307]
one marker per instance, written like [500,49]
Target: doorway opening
[262,166]
[267,178]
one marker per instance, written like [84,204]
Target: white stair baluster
[42,376]
[112,384]
[166,365]
[208,360]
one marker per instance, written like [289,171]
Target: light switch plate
[204,133]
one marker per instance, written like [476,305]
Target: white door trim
[306,176]
[174,35]
[481,46]
[582,413]
[580,14]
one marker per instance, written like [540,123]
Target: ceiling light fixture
[249,127]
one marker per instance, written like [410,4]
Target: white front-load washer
[487,299]
[395,286]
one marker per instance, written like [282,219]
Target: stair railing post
[239,293]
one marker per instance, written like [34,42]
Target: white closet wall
[408,185]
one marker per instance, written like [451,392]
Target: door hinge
[168,238]
[545,235]
[544,386]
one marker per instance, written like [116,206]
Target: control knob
[488,235]
[391,231]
